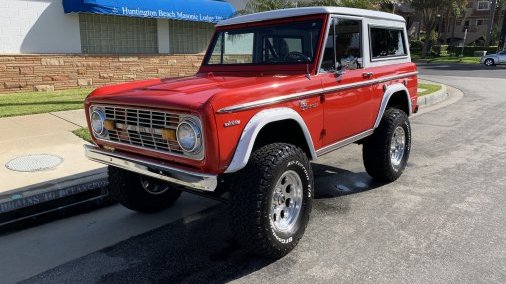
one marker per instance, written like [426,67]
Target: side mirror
[341,68]
[349,63]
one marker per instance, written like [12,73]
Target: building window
[102,34]
[189,37]
[481,22]
[483,5]
[466,26]
[386,42]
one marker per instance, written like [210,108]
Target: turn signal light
[109,124]
[169,134]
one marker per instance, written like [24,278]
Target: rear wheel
[271,200]
[140,193]
[386,152]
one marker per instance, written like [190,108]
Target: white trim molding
[250,133]
[392,89]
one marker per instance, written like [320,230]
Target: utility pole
[490,23]
[464,43]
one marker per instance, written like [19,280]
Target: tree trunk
[453,26]
[502,38]
[446,27]
[418,29]
[425,47]
[490,23]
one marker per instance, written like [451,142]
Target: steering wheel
[297,56]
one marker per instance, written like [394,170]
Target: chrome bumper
[148,167]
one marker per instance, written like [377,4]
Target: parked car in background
[276,90]
[494,59]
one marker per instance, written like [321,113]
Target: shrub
[415,46]
[440,50]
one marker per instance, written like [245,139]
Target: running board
[342,143]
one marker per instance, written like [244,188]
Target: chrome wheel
[397,147]
[286,202]
[489,62]
[153,186]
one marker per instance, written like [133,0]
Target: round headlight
[97,122]
[188,136]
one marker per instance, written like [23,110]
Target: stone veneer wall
[59,72]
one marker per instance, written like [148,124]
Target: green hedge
[469,50]
[416,46]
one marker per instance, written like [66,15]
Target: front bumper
[152,168]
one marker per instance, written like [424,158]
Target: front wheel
[386,152]
[140,193]
[270,200]
[489,62]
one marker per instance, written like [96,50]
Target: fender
[392,89]
[257,122]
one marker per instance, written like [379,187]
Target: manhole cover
[34,163]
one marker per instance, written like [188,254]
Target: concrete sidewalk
[47,134]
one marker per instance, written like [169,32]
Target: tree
[502,37]
[363,4]
[255,6]
[456,9]
[428,11]
[501,4]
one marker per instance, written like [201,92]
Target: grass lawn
[465,60]
[429,89]
[83,133]
[447,59]
[41,102]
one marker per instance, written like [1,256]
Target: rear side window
[387,42]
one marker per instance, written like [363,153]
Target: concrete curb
[434,98]
[52,195]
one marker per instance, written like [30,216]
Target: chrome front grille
[142,128]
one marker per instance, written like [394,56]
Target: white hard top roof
[295,12]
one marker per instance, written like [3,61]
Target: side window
[387,42]
[343,49]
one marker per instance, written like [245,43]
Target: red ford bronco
[275,91]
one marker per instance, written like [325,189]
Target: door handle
[367,74]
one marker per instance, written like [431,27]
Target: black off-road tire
[252,193]
[126,188]
[376,148]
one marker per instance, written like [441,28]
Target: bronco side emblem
[232,123]
[305,106]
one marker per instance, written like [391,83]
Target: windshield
[293,43]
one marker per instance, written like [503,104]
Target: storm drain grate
[34,163]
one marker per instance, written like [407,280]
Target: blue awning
[210,11]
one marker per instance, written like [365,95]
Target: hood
[183,94]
